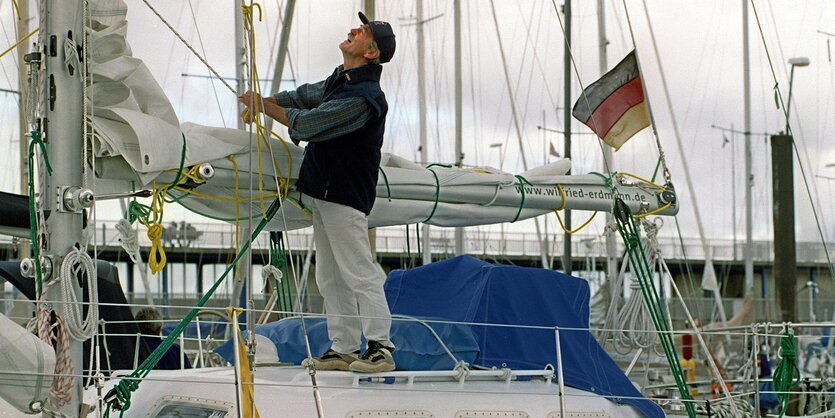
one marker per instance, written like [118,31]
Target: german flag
[614,107]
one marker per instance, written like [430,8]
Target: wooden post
[785,256]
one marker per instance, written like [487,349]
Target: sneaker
[377,358]
[332,360]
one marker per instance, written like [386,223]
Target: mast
[289,11]
[62,133]
[748,252]
[369,8]
[424,155]
[567,120]
[459,112]
[240,59]
[543,251]
[22,31]
[608,154]
[242,294]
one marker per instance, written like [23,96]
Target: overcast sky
[699,46]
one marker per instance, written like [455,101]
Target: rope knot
[156,259]
[155,232]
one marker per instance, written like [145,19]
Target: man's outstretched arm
[328,120]
[267,105]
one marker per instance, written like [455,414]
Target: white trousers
[348,279]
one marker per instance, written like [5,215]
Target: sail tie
[437,189]
[522,182]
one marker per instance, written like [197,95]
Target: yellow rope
[653,212]
[156,258]
[208,196]
[260,128]
[11,48]
[193,173]
[562,196]
[559,219]
[643,215]
[247,12]
[284,181]
[573,231]
[657,186]
[16,9]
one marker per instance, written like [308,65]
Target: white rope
[723,409]
[630,327]
[54,333]
[635,327]
[78,264]
[71,60]
[271,272]
[129,240]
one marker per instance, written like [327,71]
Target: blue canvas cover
[468,290]
[417,348]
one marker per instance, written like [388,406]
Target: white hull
[287,392]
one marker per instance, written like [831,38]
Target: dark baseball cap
[383,36]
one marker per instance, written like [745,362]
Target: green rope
[137,210]
[606,179]
[437,194]
[182,161]
[37,141]
[777,95]
[657,167]
[417,235]
[282,287]
[522,182]
[408,245]
[630,233]
[285,289]
[786,375]
[119,396]
[386,179]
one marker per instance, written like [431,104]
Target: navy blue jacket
[344,169]
[171,359]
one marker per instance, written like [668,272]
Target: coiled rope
[77,264]
[54,333]
[786,375]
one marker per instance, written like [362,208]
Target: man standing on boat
[343,120]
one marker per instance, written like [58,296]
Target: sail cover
[535,301]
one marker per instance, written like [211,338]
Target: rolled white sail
[27,365]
